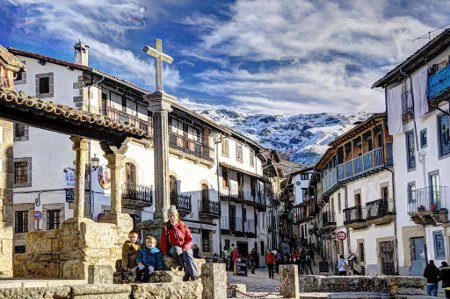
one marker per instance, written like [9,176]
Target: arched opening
[173,185]
[130,176]
[205,192]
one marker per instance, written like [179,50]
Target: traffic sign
[341,235]
[37,215]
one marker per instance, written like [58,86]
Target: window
[410,151]
[423,138]
[19,249]
[205,192]
[361,252]
[239,156]
[406,98]
[44,85]
[20,132]
[304,194]
[206,241]
[444,135]
[261,244]
[173,185]
[21,77]
[385,192]
[130,176]
[53,219]
[339,202]
[411,192]
[253,184]
[21,222]
[439,245]
[225,147]
[252,158]
[304,176]
[225,177]
[22,172]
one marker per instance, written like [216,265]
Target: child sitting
[149,259]
[130,250]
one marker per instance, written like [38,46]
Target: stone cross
[160,57]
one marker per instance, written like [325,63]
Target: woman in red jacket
[270,262]
[176,240]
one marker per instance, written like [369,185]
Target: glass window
[225,147]
[361,252]
[410,151]
[19,249]
[239,156]
[411,192]
[22,172]
[21,222]
[444,135]
[53,219]
[225,177]
[304,176]
[423,138]
[20,132]
[206,241]
[439,245]
[339,202]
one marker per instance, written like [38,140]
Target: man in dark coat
[445,277]
[431,273]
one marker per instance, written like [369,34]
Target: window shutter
[29,170]
[50,84]
[37,84]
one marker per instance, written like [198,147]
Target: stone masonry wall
[6,186]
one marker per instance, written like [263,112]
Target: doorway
[386,249]
[242,248]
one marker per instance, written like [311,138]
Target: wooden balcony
[439,86]
[380,211]
[137,197]
[191,147]
[209,209]
[355,217]
[328,221]
[126,118]
[182,202]
[428,205]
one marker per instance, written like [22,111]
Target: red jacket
[270,258]
[179,235]
[235,254]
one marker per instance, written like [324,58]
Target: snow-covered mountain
[301,138]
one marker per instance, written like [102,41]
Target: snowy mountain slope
[302,138]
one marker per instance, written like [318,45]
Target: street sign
[37,215]
[341,235]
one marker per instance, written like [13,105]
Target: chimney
[81,53]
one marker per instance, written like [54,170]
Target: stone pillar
[214,281]
[160,104]
[289,281]
[115,157]
[80,146]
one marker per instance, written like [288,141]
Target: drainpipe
[395,222]
[217,141]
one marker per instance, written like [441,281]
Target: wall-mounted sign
[341,235]
[104,177]
[298,183]
[70,195]
[37,215]
[69,177]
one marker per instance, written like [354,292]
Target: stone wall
[68,252]
[6,203]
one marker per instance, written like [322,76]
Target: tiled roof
[9,61]
[21,100]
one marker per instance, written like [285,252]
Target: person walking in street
[270,262]
[341,266]
[445,277]
[252,258]
[431,273]
[278,260]
[225,256]
[302,267]
[234,257]
[311,254]
[230,256]
[308,264]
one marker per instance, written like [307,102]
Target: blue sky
[265,56]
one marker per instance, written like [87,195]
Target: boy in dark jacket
[431,273]
[149,259]
[130,250]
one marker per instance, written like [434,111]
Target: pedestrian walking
[311,254]
[445,277]
[234,257]
[279,260]
[431,273]
[341,266]
[308,264]
[270,262]
[225,256]
[230,257]
[302,261]
[252,258]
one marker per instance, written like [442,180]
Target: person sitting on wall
[176,241]
[149,259]
[130,250]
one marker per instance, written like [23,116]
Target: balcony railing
[182,202]
[138,195]
[191,146]
[118,115]
[354,214]
[380,208]
[209,208]
[328,218]
[429,199]
[439,83]
[356,167]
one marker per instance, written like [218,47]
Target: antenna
[429,33]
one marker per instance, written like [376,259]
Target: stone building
[203,155]
[417,93]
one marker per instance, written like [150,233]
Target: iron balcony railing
[357,166]
[191,146]
[209,208]
[354,214]
[138,193]
[380,208]
[124,117]
[328,218]
[181,201]
[428,199]
[439,83]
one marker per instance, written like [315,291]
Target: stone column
[80,146]
[160,104]
[214,281]
[115,157]
[289,281]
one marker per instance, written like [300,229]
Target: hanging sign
[104,177]
[341,235]
[69,177]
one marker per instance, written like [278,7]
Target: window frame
[24,222]
[25,135]
[423,133]
[225,147]
[410,153]
[239,152]
[252,158]
[38,80]
[442,253]
[28,183]
[409,191]
[439,137]
[56,223]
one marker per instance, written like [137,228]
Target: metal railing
[359,165]
[439,83]
[191,146]
[328,218]
[354,214]
[124,117]
[138,193]
[209,208]
[380,208]
[428,199]
[181,201]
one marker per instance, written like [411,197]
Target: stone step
[181,290]
[166,276]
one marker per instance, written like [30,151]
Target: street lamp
[95,162]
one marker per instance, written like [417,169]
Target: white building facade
[43,161]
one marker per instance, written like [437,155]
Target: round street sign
[341,235]
[37,215]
